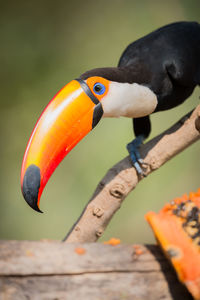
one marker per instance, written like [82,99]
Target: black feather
[166,60]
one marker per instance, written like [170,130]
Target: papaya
[177,230]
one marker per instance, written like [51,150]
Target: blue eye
[99,88]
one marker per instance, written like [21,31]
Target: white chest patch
[128,100]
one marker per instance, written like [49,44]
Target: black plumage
[166,60]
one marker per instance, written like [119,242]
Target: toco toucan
[155,73]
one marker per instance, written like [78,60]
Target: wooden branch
[54,270]
[122,178]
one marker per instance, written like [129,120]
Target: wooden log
[54,270]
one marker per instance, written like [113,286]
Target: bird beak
[69,116]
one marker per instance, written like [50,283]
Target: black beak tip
[31,185]
[33,204]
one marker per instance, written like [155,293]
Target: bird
[155,73]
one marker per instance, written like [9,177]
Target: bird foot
[133,150]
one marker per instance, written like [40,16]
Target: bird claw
[137,161]
[142,162]
[139,169]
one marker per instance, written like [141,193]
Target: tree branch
[122,178]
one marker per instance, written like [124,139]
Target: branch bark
[53,270]
[122,178]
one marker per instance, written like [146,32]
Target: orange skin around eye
[95,79]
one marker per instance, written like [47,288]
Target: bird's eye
[99,88]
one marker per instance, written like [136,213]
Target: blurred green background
[44,45]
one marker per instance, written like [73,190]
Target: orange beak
[69,116]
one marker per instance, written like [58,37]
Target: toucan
[155,73]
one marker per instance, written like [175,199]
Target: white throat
[128,100]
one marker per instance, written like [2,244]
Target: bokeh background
[44,45]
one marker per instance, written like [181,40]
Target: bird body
[167,61]
[155,73]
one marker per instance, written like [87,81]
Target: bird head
[73,112]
